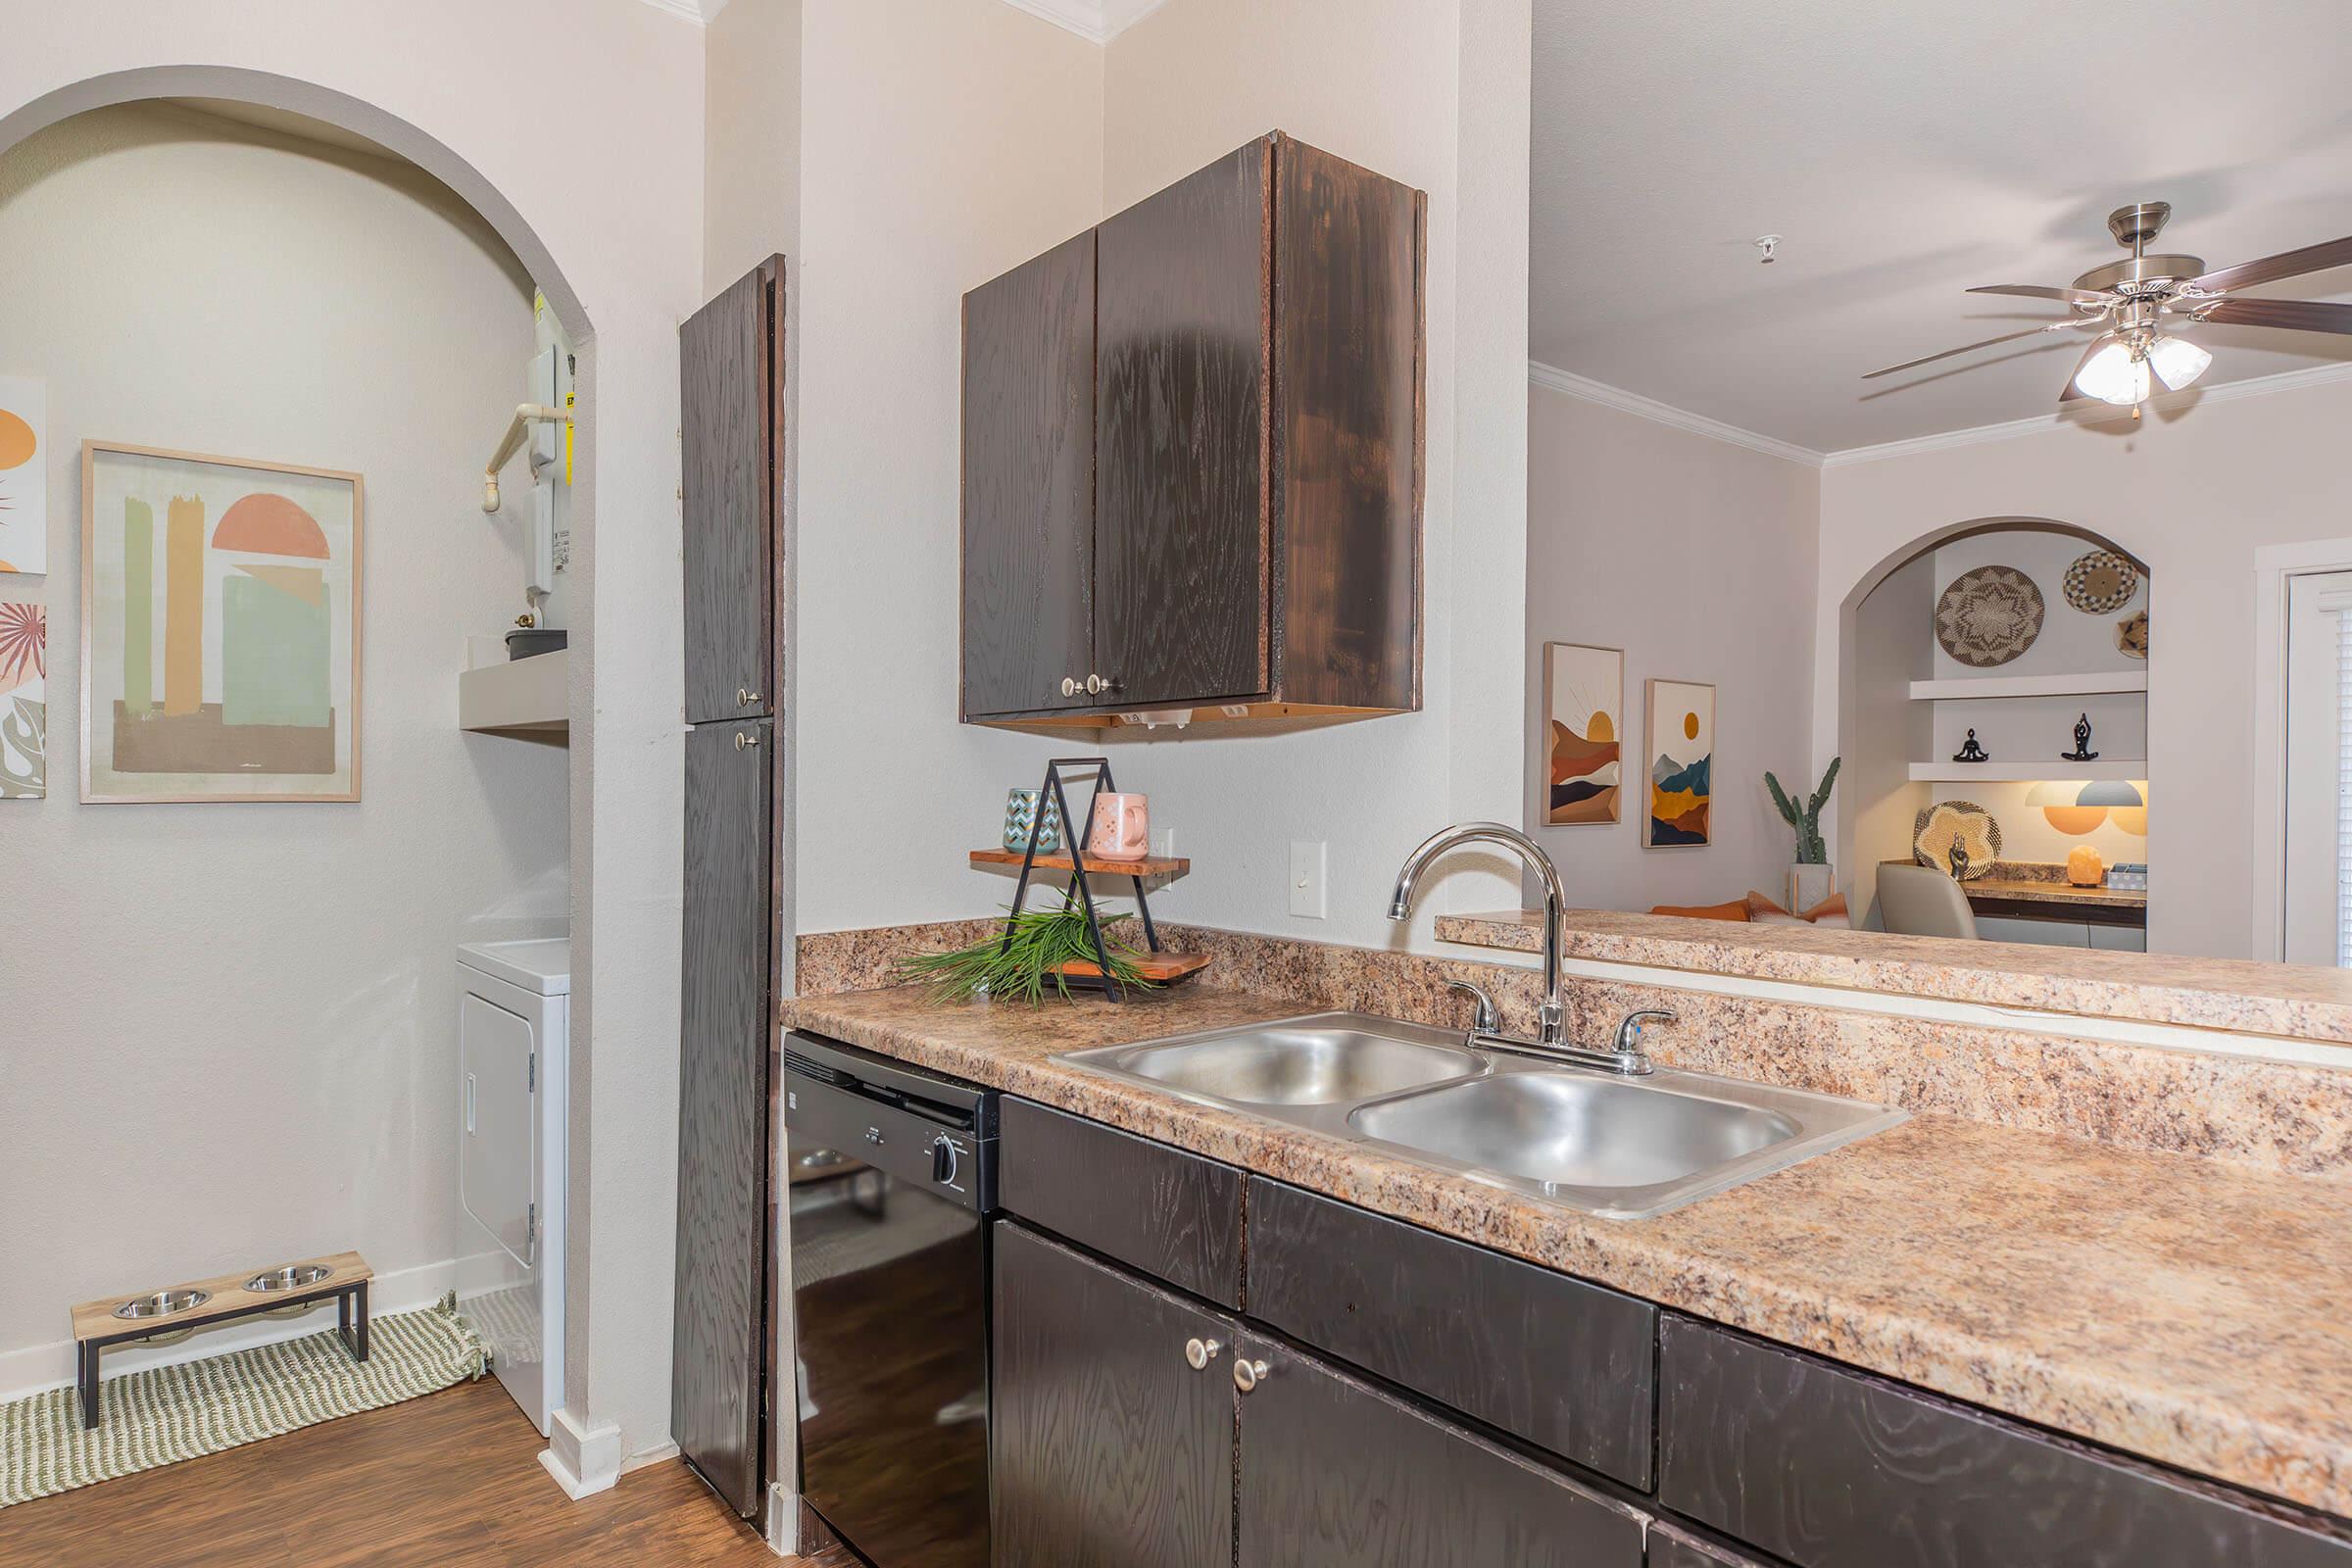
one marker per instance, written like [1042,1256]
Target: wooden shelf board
[1970,687]
[1150,865]
[2130,768]
[521,695]
[1164,968]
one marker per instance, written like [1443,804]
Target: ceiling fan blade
[2270,268]
[2005,337]
[2305,316]
[2036,291]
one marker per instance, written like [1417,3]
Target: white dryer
[514,1033]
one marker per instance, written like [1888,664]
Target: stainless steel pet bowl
[164,1304]
[289,1278]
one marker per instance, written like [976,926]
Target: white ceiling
[1098,20]
[1907,152]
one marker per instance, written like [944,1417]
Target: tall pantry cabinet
[735,499]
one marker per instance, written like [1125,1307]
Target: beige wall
[609,225]
[188,984]
[1696,557]
[2191,492]
[751,139]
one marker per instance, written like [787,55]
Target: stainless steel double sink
[1618,1147]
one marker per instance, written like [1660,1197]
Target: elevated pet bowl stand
[120,1319]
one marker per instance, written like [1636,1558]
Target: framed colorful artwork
[24,476]
[24,707]
[1584,725]
[1681,749]
[220,628]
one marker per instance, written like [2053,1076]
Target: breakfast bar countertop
[2168,1306]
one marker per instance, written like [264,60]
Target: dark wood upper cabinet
[1237,528]
[731,407]
[1029,482]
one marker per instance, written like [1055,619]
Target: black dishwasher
[892,1178]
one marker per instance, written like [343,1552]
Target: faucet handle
[1485,1020]
[1628,1028]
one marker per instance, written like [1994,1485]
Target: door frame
[2274,568]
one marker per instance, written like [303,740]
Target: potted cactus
[1811,879]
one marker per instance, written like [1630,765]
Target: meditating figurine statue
[1970,750]
[2082,752]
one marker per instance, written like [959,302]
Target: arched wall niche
[1876,795]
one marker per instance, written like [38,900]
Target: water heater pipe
[527,415]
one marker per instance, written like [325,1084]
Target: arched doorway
[1906,705]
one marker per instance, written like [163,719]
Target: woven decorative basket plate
[1988,616]
[1938,827]
[2101,581]
[2132,635]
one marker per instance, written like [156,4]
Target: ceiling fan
[2137,306]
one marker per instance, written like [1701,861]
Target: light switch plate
[1307,878]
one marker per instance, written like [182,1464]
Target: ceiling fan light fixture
[2176,361]
[2115,374]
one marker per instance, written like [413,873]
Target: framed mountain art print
[220,628]
[1681,757]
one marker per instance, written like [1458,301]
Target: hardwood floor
[450,1478]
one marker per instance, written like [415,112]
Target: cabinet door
[1337,1474]
[1670,1548]
[729,370]
[1106,1448]
[1029,483]
[1183,508]
[722,1109]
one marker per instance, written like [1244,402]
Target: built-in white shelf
[1977,687]
[520,696]
[2029,772]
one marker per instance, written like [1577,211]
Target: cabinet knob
[1069,685]
[1248,1375]
[1197,1353]
[745,696]
[1094,685]
[744,740]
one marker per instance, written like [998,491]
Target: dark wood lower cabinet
[1831,1468]
[1106,1448]
[1670,1548]
[1337,1474]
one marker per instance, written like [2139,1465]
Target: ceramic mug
[1122,828]
[1020,814]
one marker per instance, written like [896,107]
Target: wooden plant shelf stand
[1161,968]
[95,1325]
[1095,866]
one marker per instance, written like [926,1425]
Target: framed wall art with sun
[1583,729]
[1681,758]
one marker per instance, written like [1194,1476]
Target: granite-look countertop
[2172,1306]
[2290,1000]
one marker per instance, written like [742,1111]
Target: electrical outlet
[1307,878]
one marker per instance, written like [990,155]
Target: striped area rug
[161,1415]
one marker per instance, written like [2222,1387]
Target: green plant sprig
[1806,819]
[1019,971]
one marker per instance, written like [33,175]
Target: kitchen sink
[1615,1146]
[1305,1062]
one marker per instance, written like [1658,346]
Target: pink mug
[1122,828]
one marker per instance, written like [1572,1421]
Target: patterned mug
[1020,814]
[1122,828]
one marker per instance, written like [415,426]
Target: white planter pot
[1809,885]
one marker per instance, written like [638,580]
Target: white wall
[189,984]
[943,142]
[610,227]
[751,139]
[1696,557]
[1433,96]
[2191,492]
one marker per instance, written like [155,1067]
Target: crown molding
[2256,386]
[1096,20]
[1578,386]
[1592,391]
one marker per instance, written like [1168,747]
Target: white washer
[513,1030]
